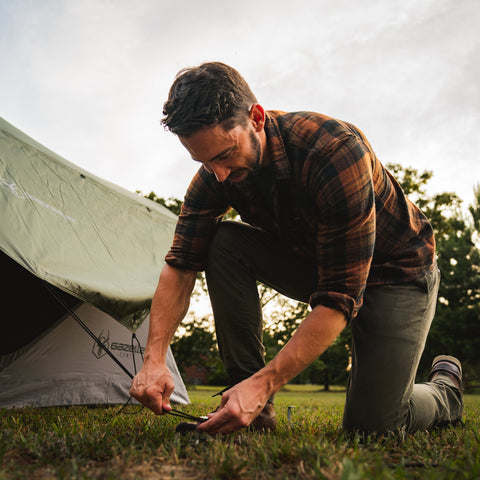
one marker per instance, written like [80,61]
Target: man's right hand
[152,387]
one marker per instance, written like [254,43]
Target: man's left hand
[240,405]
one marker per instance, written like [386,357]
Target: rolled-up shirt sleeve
[202,209]
[344,194]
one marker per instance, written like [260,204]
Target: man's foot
[186,427]
[267,420]
[445,365]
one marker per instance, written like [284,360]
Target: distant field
[84,443]
[302,394]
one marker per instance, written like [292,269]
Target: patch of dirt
[144,471]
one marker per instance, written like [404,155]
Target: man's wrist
[268,380]
[155,357]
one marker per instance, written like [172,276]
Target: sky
[88,78]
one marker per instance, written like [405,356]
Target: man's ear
[257,115]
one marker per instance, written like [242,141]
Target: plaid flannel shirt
[328,197]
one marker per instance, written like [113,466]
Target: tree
[283,317]
[456,327]
[198,347]
[173,204]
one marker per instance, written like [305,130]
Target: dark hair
[207,95]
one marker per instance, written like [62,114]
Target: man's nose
[221,173]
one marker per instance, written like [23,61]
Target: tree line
[455,329]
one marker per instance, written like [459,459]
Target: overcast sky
[88,78]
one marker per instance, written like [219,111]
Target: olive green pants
[389,332]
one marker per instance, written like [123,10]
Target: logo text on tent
[124,349]
[13,188]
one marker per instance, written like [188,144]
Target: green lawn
[99,443]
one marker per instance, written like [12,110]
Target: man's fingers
[155,396]
[226,426]
[166,396]
[222,421]
[133,388]
[151,398]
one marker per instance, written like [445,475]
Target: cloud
[88,79]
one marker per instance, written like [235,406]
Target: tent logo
[10,185]
[97,350]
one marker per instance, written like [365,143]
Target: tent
[66,367]
[80,258]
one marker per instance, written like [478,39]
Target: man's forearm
[244,401]
[153,385]
[312,337]
[169,306]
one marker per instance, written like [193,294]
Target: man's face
[229,154]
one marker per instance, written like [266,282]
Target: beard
[256,150]
[254,169]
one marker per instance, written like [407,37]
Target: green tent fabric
[95,241]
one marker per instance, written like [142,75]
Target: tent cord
[101,345]
[134,337]
[85,327]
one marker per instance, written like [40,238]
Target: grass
[84,443]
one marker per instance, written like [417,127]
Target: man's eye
[225,156]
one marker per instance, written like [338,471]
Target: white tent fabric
[65,366]
[99,249]
[84,235]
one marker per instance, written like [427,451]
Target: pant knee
[228,244]
[369,421]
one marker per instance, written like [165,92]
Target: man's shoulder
[298,116]
[308,121]
[308,130]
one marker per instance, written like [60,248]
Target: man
[323,222]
